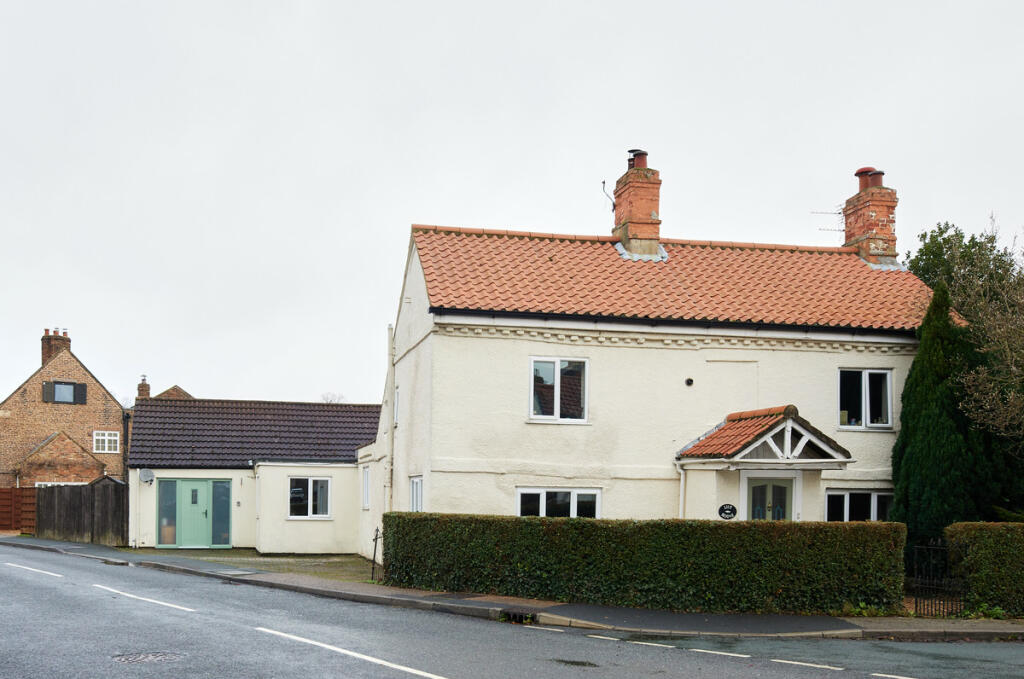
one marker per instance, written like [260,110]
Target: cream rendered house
[277,476]
[563,375]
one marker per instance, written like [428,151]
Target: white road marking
[732,655]
[142,598]
[598,636]
[360,656]
[651,643]
[891,676]
[807,664]
[546,629]
[34,570]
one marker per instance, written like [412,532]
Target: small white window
[558,389]
[106,441]
[366,487]
[857,505]
[865,399]
[568,502]
[415,493]
[309,498]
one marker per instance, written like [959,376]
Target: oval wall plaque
[727,512]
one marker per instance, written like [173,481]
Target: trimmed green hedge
[990,557]
[669,564]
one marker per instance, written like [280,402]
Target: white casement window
[558,389]
[415,493]
[106,441]
[570,502]
[366,487]
[309,498]
[865,399]
[857,505]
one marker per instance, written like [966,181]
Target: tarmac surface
[641,622]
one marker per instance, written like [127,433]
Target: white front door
[770,499]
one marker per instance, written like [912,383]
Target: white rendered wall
[280,533]
[142,503]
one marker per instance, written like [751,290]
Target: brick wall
[60,460]
[26,420]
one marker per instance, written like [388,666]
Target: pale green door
[770,499]
[194,501]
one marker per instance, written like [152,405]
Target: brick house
[61,425]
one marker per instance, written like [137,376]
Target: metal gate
[935,592]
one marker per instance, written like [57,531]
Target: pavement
[631,621]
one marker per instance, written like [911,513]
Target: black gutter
[694,323]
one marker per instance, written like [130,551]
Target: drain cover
[158,656]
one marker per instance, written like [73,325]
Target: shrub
[669,564]
[990,558]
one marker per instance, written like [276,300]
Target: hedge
[990,558]
[701,566]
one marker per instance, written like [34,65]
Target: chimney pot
[875,178]
[862,175]
[46,331]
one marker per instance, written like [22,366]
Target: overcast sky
[219,194]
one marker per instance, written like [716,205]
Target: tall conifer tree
[943,469]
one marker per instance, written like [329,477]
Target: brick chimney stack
[637,194]
[143,388]
[870,218]
[55,343]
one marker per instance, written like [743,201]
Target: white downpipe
[682,491]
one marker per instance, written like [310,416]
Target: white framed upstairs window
[415,493]
[106,441]
[865,399]
[366,487]
[567,502]
[558,389]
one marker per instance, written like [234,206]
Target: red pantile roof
[701,281]
[737,432]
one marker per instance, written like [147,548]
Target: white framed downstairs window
[558,389]
[366,487]
[865,398]
[309,498]
[568,502]
[415,493]
[106,441]
[857,505]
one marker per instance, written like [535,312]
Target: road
[66,616]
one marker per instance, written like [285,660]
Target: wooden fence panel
[28,510]
[6,506]
[18,509]
[94,513]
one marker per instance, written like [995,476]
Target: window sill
[879,428]
[310,518]
[570,422]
